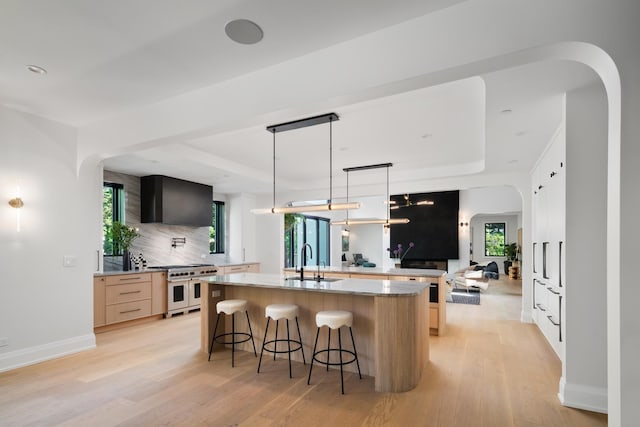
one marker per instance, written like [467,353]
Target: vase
[126,260]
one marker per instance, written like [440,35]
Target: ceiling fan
[407,202]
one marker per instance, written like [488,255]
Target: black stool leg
[275,343]
[355,352]
[213,337]
[263,343]
[328,347]
[304,362]
[233,339]
[289,348]
[340,353]
[251,333]
[313,356]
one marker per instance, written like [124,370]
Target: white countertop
[416,272]
[342,286]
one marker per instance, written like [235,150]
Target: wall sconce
[17,203]
[464,224]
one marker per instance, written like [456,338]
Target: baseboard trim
[40,353]
[525,316]
[583,397]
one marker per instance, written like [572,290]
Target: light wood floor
[489,370]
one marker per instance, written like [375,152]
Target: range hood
[174,201]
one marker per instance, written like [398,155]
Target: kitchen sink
[312,279]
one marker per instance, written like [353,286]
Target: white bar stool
[334,320]
[232,306]
[277,312]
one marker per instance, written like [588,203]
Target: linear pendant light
[297,124]
[385,221]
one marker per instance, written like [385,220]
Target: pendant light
[329,205]
[385,221]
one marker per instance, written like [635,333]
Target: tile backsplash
[154,242]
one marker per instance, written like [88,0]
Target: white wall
[269,238]
[584,379]
[46,310]
[242,228]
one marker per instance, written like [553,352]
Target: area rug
[465,296]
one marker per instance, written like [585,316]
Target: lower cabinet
[128,296]
[240,268]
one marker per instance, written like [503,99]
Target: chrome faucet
[303,256]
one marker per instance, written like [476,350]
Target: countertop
[416,272]
[154,270]
[370,287]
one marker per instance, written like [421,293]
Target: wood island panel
[401,350]
[396,360]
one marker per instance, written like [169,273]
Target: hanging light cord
[274,171]
[387,201]
[330,162]
[347,197]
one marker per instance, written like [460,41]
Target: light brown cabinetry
[99,302]
[437,310]
[240,268]
[158,292]
[128,296]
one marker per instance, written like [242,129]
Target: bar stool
[334,320]
[232,306]
[277,312]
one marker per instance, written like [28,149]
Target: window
[216,231]
[112,210]
[301,229]
[494,239]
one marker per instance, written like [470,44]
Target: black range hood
[173,201]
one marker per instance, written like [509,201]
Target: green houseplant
[511,252]
[123,236]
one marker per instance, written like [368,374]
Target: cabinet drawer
[370,276]
[128,278]
[128,292]
[410,278]
[433,317]
[236,269]
[128,311]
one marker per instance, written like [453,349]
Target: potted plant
[511,251]
[123,236]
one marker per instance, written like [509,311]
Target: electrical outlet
[215,294]
[4,342]
[69,261]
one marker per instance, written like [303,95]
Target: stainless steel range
[184,284]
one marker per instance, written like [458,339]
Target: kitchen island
[390,319]
[437,294]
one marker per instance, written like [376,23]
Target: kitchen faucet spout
[303,253]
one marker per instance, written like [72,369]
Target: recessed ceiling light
[36,69]
[506,111]
[243,31]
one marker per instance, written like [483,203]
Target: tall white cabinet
[549,245]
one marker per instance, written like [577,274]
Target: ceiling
[108,58]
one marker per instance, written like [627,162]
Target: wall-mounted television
[433,224]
